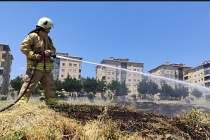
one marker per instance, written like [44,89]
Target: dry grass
[35,122]
[67,121]
[38,122]
[106,130]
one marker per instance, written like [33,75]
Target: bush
[59,94]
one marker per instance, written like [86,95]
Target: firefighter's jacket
[38,42]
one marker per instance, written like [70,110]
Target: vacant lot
[124,120]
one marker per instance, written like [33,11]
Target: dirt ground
[153,121]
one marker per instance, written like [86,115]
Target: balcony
[207,84]
[206,73]
[207,79]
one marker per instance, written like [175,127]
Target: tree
[166,91]
[142,87]
[119,88]
[78,85]
[197,93]
[90,85]
[58,85]
[152,88]
[101,87]
[180,91]
[113,86]
[17,83]
[71,84]
[123,89]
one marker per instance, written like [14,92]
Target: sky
[150,32]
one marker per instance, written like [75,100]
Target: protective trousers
[47,82]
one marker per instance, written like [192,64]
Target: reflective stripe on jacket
[38,42]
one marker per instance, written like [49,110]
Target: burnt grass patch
[146,122]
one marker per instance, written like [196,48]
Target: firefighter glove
[33,56]
[47,52]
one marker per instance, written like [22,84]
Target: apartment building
[5,68]
[199,75]
[120,70]
[69,65]
[169,70]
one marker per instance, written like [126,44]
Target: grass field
[83,120]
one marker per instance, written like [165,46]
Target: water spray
[146,74]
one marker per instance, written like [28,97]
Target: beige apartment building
[5,68]
[69,65]
[169,70]
[120,70]
[199,75]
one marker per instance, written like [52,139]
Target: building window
[70,64]
[75,65]
[69,70]
[74,70]
[63,64]
[63,70]
[1,72]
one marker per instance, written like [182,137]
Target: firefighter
[38,46]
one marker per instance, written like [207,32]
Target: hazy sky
[147,32]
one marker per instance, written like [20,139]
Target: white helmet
[45,23]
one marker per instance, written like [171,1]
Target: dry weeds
[67,121]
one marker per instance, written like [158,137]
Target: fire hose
[31,77]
